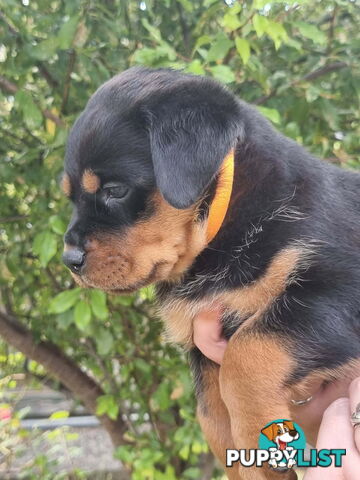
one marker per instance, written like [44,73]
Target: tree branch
[63,368]
[51,80]
[11,28]
[9,87]
[319,72]
[184,27]
[14,218]
[70,68]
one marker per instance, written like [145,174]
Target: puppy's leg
[213,416]
[252,384]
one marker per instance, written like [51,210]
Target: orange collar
[220,204]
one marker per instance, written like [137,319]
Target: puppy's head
[140,160]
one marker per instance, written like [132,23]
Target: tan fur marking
[259,295]
[161,247]
[214,418]
[66,185]
[90,182]
[252,299]
[249,359]
[252,376]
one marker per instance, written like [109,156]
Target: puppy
[176,182]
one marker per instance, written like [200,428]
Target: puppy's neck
[250,234]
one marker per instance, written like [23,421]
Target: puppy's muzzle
[74,258]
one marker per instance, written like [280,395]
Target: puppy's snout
[74,258]
[293,433]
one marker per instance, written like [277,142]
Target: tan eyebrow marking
[65,185]
[90,181]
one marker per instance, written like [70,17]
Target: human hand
[336,431]
[328,406]
[207,334]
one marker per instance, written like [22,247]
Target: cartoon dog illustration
[281,433]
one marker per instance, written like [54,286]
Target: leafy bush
[295,60]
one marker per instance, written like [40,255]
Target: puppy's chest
[242,306]
[178,316]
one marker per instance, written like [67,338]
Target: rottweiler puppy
[176,182]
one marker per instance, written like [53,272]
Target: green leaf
[330,113]
[161,397]
[82,314]
[193,473]
[243,48]
[44,50]
[188,6]
[219,48]
[260,24]
[126,300]
[197,447]
[312,92]
[152,56]
[98,304]
[125,453]
[223,73]
[195,67]
[107,405]
[291,42]
[104,341]
[258,4]
[184,452]
[67,33]
[31,113]
[292,130]
[57,224]
[59,415]
[64,300]
[65,319]
[154,32]
[311,31]
[277,33]
[142,365]
[45,246]
[231,20]
[203,40]
[270,113]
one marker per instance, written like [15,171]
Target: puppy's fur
[142,167]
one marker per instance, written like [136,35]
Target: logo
[282,439]
[282,445]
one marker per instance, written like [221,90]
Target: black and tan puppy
[176,182]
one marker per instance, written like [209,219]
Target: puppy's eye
[116,190]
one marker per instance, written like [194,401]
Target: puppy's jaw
[159,248]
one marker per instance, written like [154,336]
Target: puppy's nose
[74,258]
[293,433]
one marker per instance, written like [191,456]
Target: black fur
[168,130]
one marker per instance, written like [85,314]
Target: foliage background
[296,60]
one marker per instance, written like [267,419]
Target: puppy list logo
[282,445]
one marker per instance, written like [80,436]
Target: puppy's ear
[191,131]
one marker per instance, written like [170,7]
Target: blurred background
[89,388]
